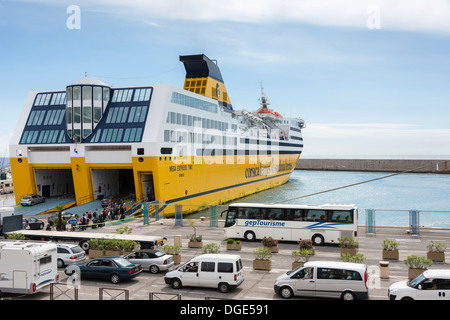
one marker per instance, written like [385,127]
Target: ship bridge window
[137,114]
[54,117]
[142,94]
[122,95]
[192,102]
[42,99]
[58,98]
[36,118]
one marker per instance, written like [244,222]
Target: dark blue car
[115,269]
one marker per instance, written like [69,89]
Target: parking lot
[258,285]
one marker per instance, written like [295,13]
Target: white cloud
[416,15]
[413,15]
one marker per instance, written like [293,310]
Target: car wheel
[347,295]
[41,226]
[115,279]
[60,263]
[224,287]
[176,283]
[250,236]
[32,204]
[153,269]
[286,292]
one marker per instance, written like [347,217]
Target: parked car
[33,223]
[106,202]
[31,200]
[151,260]
[221,271]
[115,269]
[430,285]
[329,279]
[69,253]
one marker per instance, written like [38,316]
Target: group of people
[110,212]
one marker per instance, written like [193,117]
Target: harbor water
[392,197]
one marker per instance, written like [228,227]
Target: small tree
[60,226]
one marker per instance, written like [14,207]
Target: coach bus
[322,224]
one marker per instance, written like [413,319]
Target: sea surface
[392,197]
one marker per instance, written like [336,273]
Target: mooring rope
[362,182]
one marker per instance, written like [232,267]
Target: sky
[369,77]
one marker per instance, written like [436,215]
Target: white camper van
[222,271]
[27,267]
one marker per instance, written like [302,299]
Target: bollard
[384,269]
[178,240]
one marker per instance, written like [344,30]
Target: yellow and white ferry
[155,142]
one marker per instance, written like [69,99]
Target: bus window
[316,215]
[294,214]
[341,216]
[249,213]
[273,214]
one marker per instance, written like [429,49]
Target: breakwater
[383,165]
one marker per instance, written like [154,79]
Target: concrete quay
[258,285]
[381,165]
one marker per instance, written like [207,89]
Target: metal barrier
[114,294]
[164,296]
[63,290]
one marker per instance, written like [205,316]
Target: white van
[27,267]
[330,279]
[430,285]
[222,271]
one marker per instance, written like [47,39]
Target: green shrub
[262,253]
[211,248]
[436,246]
[415,262]
[390,245]
[348,242]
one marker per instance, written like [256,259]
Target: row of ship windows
[188,120]
[118,135]
[126,95]
[42,136]
[191,137]
[119,114]
[43,99]
[53,117]
[192,102]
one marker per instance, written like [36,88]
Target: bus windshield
[231,218]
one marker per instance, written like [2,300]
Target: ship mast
[264,102]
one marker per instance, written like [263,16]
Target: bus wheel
[84,245]
[250,236]
[318,240]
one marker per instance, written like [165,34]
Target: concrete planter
[96,253]
[297,264]
[233,246]
[436,256]
[176,258]
[350,251]
[195,244]
[412,273]
[391,255]
[273,249]
[259,264]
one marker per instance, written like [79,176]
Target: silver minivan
[344,280]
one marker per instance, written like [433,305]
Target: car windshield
[123,262]
[414,282]
[26,197]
